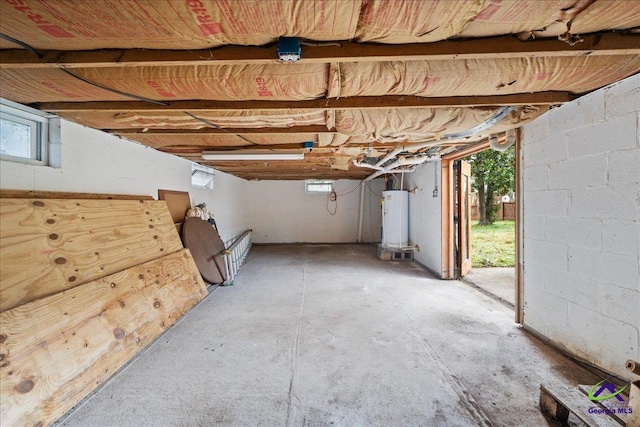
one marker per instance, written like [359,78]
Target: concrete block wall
[425,224]
[97,162]
[581,219]
[282,212]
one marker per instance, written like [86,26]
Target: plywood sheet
[28,194]
[58,349]
[170,24]
[51,245]
[178,203]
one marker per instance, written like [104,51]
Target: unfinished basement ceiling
[191,76]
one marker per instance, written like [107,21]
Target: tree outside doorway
[493,175]
[492,237]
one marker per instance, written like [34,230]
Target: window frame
[195,168]
[39,124]
[318,182]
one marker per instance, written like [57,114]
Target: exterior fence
[505,211]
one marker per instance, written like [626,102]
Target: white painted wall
[281,212]
[97,162]
[581,206]
[425,225]
[372,213]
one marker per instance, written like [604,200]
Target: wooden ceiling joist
[333,174]
[354,102]
[199,149]
[484,48]
[315,129]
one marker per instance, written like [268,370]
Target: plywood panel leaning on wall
[50,245]
[57,349]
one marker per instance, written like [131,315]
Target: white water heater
[395,219]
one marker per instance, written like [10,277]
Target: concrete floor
[314,335]
[498,281]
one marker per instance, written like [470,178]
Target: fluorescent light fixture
[251,155]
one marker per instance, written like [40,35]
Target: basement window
[201,177]
[25,133]
[316,186]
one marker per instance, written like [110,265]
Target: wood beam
[467,150]
[334,174]
[479,48]
[186,149]
[354,102]
[212,131]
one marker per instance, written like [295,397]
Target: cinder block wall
[581,218]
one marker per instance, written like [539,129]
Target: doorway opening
[485,255]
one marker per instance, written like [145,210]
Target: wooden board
[611,404]
[58,349]
[178,203]
[26,194]
[50,245]
[558,401]
[206,246]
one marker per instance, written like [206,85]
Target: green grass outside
[493,245]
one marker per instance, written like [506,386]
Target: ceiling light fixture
[251,155]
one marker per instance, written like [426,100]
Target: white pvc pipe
[402,161]
[410,147]
[452,137]
[383,171]
[498,145]
[366,165]
[362,185]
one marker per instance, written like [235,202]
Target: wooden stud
[447,195]
[519,279]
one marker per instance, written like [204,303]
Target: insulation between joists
[201,24]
